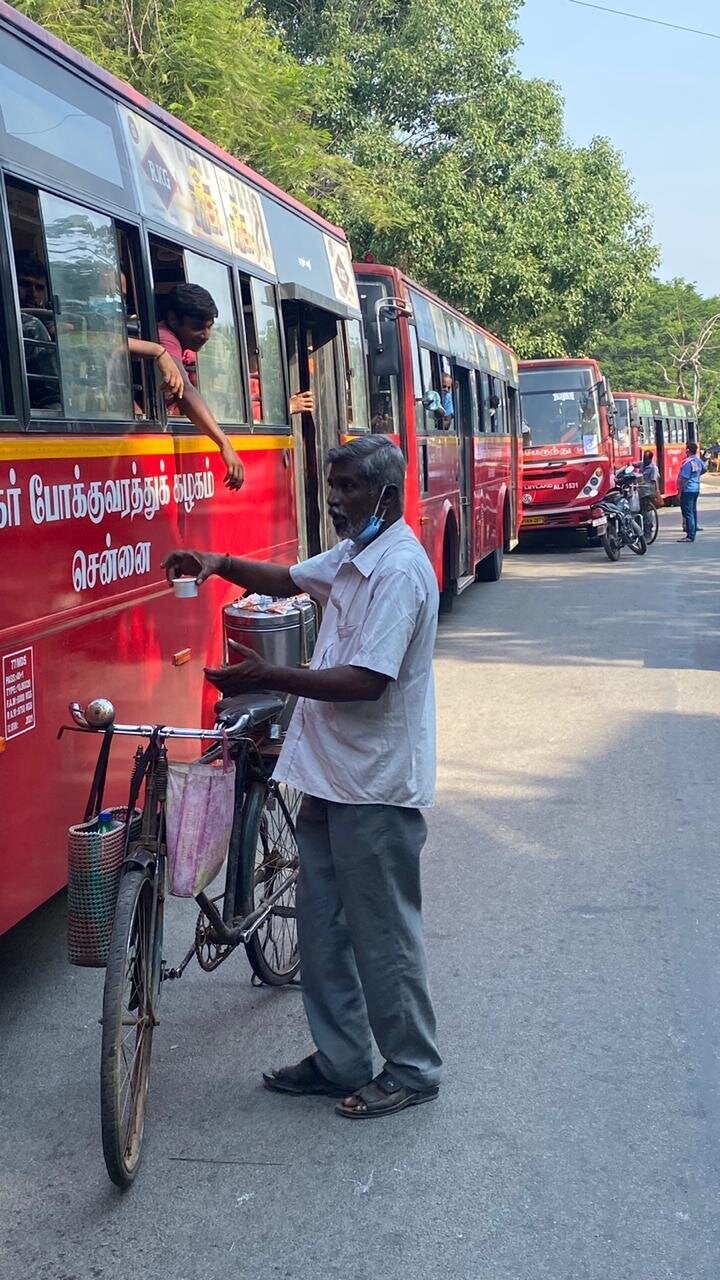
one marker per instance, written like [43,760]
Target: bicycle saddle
[259,706]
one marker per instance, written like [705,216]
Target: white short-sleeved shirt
[380,612]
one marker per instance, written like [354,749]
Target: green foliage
[407,122]
[651,348]
[222,71]
[491,206]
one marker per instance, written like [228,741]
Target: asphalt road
[573,924]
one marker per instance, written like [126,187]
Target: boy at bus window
[189,313]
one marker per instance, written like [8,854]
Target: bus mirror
[385,349]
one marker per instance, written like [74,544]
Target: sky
[655,93]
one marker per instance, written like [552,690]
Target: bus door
[660,450]
[465,412]
[310,337]
[515,481]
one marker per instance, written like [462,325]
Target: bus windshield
[560,407]
[381,331]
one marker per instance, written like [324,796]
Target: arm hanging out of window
[200,414]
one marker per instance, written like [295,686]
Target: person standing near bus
[689,489]
[650,471]
[361,748]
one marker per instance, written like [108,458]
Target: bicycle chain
[210,954]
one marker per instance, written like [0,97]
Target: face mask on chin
[373,526]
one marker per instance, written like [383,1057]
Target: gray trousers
[362,955]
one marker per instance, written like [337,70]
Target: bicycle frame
[227,929]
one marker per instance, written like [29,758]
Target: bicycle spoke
[275,867]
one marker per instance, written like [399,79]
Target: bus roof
[367,268]
[39,35]
[652,395]
[448,329]
[560,362]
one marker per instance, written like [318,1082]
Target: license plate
[533,519]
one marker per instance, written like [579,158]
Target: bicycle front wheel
[651,524]
[269,846]
[131,981]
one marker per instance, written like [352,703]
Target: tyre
[638,544]
[651,523]
[447,593]
[268,846]
[490,569]
[132,979]
[611,540]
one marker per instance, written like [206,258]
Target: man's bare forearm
[332,684]
[258,575]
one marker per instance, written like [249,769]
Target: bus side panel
[128,639]
[493,479]
[673,458]
[442,500]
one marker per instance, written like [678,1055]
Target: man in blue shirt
[689,489]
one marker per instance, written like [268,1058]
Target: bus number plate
[533,519]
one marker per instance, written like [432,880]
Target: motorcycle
[641,498]
[624,526]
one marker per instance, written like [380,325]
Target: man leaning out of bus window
[188,316]
[361,749]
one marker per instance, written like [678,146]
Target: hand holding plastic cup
[185,588]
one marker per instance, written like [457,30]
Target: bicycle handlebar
[104,714]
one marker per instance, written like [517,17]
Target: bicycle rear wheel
[268,844]
[132,979]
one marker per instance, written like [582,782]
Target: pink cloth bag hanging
[199,819]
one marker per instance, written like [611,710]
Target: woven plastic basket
[94,865]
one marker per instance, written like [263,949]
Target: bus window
[496,405]
[130,277]
[37,316]
[474,403]
[432,376]
[356,393]
[417,380]
[89,315]
[483,402]
[257,409]
[265,353]
[383,364]
[219,378]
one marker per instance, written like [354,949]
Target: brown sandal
[383,1097]
[303,1078]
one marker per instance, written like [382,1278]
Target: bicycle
[257,905]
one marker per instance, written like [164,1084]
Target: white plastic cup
[185,588]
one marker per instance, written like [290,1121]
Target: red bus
[464,465]
[646,421]
[115,201]
[567,411]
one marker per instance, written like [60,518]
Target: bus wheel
[447,594]
[490,569]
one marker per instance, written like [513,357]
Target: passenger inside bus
[440,403]
[188,313]
[38,333]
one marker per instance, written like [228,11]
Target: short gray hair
[377,458]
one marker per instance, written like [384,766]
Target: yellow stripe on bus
[21,448]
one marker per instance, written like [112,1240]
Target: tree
[221,70]
[669,344]
[491,206]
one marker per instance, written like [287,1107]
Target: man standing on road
[361,747]
[689,489]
